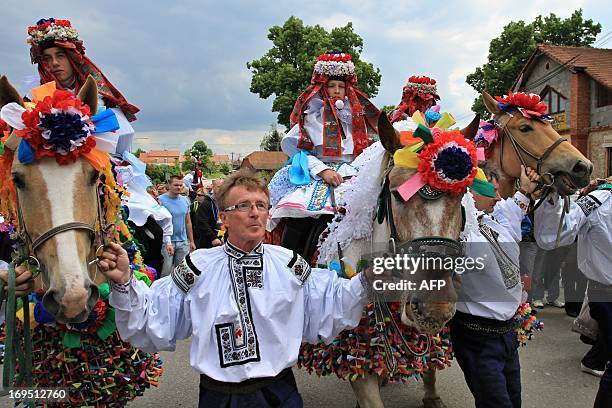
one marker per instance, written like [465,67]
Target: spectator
[207,221]
[182,236]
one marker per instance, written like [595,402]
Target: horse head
[57,208]
[534,142]
[429,225]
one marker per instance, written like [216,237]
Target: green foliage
[138,151]
[388,108]
[160,173]
[286,68]
[199,152]
[225,168]
[271,141]
[509,52]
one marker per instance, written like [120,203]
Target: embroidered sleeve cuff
[522,201]
[185,275]
[122,287]
[299,267]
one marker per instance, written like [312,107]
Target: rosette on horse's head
[60,55]
[336,66]
[54,174]
[419,94]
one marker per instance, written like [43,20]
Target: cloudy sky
[184,62]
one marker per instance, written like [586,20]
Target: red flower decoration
[417,79]
[61,102]
[449,163]
[338,57]
[531,102]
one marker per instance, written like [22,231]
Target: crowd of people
[249,305]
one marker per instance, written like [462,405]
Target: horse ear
[389,137]
[8,93]
[491,103]
[89,94]
[470,130]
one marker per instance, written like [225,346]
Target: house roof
[263,160]
[220,158]
[597,62]
[162,153]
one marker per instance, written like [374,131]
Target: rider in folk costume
[484,328]
[247,305]
[58,52]
[419,94]
[332,123]
[590,221]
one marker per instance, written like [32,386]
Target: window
[604,95]
[554,100]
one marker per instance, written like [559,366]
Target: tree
[199,152]
[388,108]
[271,141]
[138,151]
[286,68]
[509,52]
[160,173]
[225,168]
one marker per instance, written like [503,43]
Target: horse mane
[8,194]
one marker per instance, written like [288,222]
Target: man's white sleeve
[331,304]
[151,318]
[546,222]
[510,212]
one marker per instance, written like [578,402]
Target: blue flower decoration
[45,20]
[453,163]
[64,127]
[432,117]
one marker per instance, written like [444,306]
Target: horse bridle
[518,148]
[27,247]
[431,246]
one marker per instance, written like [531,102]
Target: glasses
[246,206]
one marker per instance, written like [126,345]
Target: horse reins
[26,252]
[518,147]
[440,246]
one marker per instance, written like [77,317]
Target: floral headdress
[364,114]
[60,33]
[529,105]
[47,30]
[334,65]
[419,93]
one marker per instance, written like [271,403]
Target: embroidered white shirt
[247,314]
[489,292]
[589,220]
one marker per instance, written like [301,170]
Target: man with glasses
[248,305]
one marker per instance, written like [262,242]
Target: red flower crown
[522,100]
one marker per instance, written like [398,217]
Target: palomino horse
[416,226]
[57,209]
[536,144]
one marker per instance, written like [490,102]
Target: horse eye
[93,177]
[525,128]
[18,180]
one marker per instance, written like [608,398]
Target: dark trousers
[280,394]
[490,365]
[574,282]
[602,312]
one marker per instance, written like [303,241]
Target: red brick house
[576,84]
[263,160]
[168,157]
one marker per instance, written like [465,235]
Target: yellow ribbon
[407,156]
[41,92]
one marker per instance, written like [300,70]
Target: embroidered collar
[238,253]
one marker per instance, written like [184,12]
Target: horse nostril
[94,295]
[50,303]
[582,169]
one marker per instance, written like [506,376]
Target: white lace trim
[471,216]
[360,202]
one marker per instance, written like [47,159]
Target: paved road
[551,378]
